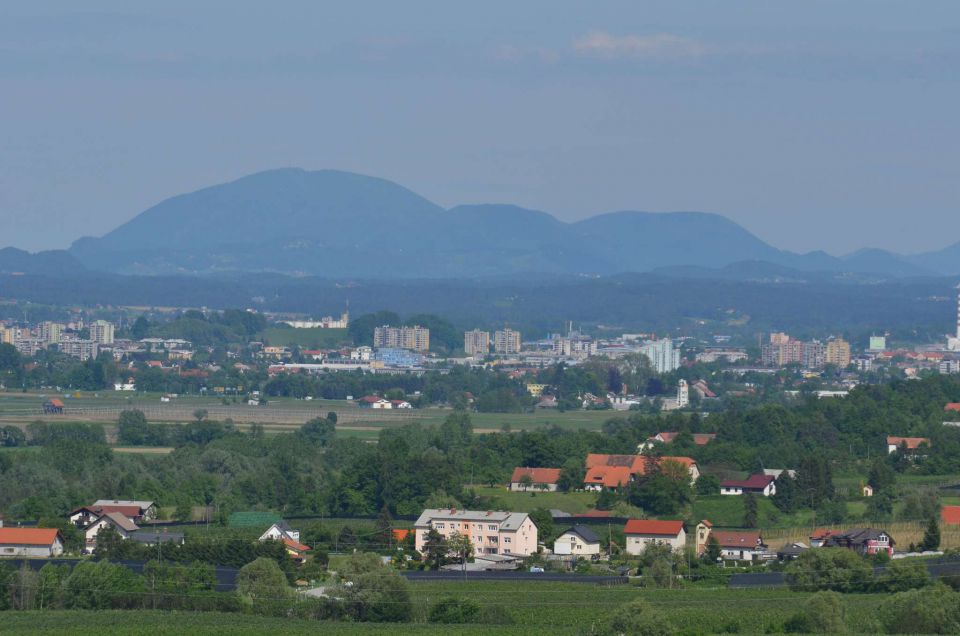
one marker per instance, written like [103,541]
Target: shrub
[834,569]
[929,611]
[902,575]
[452,610]
[823,613]
[636,618]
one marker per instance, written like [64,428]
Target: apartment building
[781,351]
[490,532]
[506,341]
[476,342]
[415,338]
[663,357]
[101,332]
[83,349]
[51,332]
[838,352]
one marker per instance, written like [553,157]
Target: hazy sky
[828,125]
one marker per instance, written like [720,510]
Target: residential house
[577,541]
[281,531]
[374,402]
[641,532]
[819,537]
[757,484]
[30,542]
[612,472]
[791,551]
[740,545]
[121,524]
[665,437]
[866,541]
[703,535]
[539,479]
[491,532]
[912,444]
[136,511]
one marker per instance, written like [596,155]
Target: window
[438,526]
[492,539]
[8,550]
[491,527]
[506,539]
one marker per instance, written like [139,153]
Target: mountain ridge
[343,224]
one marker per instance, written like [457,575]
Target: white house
[577,541]
[539,479]
[764,485]
[278,531]
[123,525]
[30,542]
[640,532]
[740,546]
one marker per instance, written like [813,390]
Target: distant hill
[52,263]
[339,224]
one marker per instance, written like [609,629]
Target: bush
[452,610]
[928,611]
[636,618]
[902,575]
[823,613]
[836,569]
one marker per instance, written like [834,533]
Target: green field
[555,608]
[304,338]
[572,502]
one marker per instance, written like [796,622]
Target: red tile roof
[952,406]
[652,526]
[753,482]
[950,515]
[912,443]
[538,475]
[399,534]
[296,546]
[728,539]
[57,403]
[28,536]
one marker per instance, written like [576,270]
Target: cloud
[657,45]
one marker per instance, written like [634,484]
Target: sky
[815,125]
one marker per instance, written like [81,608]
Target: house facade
[490,532]
[764,485]
[123,526]
[910,444]
[612,472]
[865,541]
[577,541]
[30,542]
[739,545]
[638,533]
[539,479]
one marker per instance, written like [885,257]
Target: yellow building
[536,390]
[838,352]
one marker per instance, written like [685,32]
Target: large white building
[327,322]
[953,343]
[506,341]
[101,332]
[490,532]
[415,338]
[664,358]
[476,342]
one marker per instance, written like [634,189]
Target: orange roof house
[653,526]
[31,542]
[540,478]
[952,406]
[614,471]
[912,443]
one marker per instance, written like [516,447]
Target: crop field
[305,338]
[572,502]
[555,608]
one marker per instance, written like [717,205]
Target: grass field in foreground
[555,608]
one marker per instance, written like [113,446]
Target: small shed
[53,407]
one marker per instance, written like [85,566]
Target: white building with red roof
[539,479]
[641,532]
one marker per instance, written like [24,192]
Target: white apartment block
[101,332]
[476,342]
[506,341]
[490,532]
[664,358]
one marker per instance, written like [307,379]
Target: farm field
[561,608]
[315,338]
[572,502]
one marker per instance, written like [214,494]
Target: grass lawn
[572,502]
[305,338]
[728,511]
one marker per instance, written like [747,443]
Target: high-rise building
[415,338]
[476,342]
[814,355]
[83,349]
[663,357]
[101,332]
[781,351]
[506,341]
[838,352]
[50,332]
[953,343]
[683,394]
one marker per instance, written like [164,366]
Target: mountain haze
[341,224]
